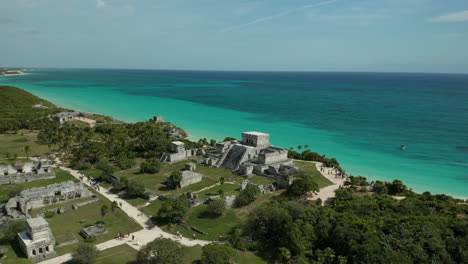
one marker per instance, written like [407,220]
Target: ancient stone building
[253,154]
[66,116]
[25,172]
[18,207]
[157,119]
[178,153]
[37,242]
[190,177]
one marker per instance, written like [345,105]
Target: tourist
[193,236]
[120,203]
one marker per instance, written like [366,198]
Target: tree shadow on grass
[208,215]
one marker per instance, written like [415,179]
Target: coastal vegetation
[19,110]
[367,222]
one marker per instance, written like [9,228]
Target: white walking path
[327,193]
[142,237]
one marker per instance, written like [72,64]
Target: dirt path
[327,193]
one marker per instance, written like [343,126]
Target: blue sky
[283,35]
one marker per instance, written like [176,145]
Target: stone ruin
[263,188]
[37,242]
[178,152]
[190,177]
[252,155]
[66,116]
[96,230]
[157,119]
[193,199]
[18,207]
[25,172]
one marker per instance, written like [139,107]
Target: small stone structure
[190,177]
[193,199]
[190,166]
[178,153]
[18,207]
[25,172]
[37,242]
[94,231]
[149,194]
[263,188]
[252,155]
[157,119]
[66,116]
[230,201]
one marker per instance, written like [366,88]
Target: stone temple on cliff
[252,155]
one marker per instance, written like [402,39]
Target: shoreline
[354,170]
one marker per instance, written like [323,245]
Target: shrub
[49,214]
[247,196]
[135,189]
[118,186]
[302,184]
[174,210]
[150,166]
[13,228]
[216,207]
[85,254]
[168,252]
[174,179]
[216,253]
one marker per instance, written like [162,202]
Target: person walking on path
[133,237]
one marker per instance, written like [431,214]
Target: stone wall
[273,155]
[189,177]
[25,173]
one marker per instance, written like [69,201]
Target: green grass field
[309,167]
[229,189]
[61,176]
[74,221]
[15,143]
[116,255]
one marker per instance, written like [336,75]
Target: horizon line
[253,71]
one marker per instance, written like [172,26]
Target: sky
[258,35]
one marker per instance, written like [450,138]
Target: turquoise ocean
[359,118]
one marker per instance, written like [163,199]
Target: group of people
[333,171]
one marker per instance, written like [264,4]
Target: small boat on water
[403,147]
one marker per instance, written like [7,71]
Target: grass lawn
[15,143]
[310,168]
[116,255]
[153,208]
[260,180]
[74,221]
[137,202]
[229,189]
[35,212]
[60,177]
[93,172]
[214,226]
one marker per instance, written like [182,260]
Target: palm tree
[299,147]
[27,148]
[306,146]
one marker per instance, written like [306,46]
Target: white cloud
[100,3]
[451,17]
[282,14]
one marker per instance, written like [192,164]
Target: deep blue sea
[359,118]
